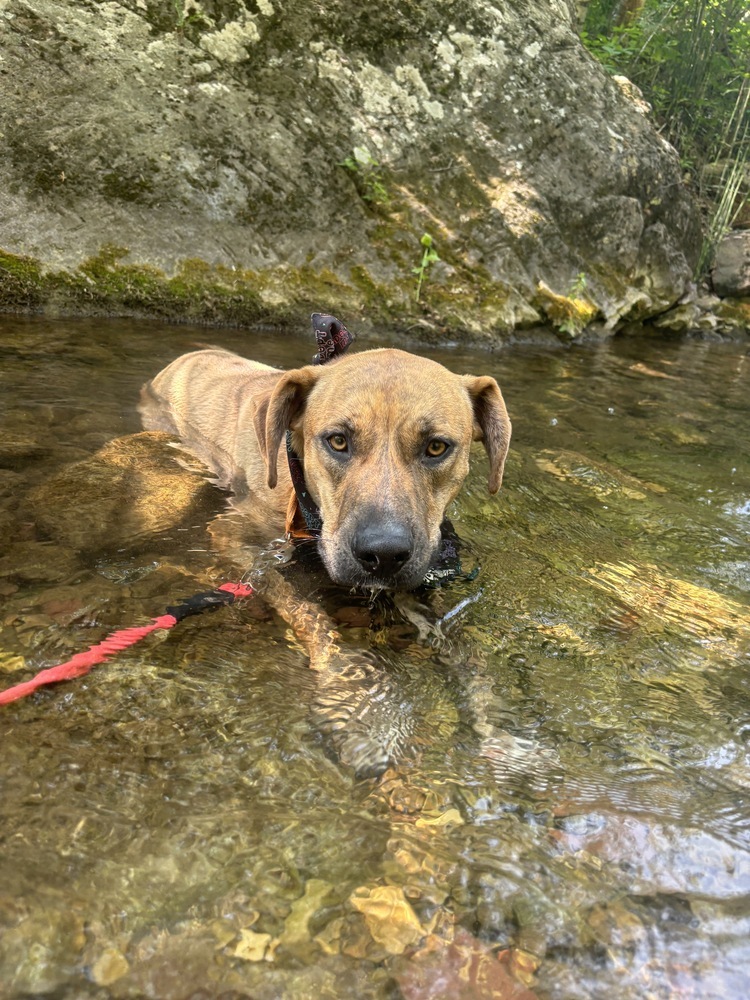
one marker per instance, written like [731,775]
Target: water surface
[568,814]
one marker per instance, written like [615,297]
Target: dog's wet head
[384,437]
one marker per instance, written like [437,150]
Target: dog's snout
[382,550]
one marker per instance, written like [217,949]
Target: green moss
[464,299]
[20,282]
[206,293]
[463,293]
[106,284]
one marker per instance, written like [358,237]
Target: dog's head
[385,438]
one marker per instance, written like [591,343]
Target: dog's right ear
[280,411]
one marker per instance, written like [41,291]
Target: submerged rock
[225,162]
[130,490]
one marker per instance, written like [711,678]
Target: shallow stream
[569,811]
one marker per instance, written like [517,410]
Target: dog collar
[303,519]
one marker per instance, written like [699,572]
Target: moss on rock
[21,285]
[570,314]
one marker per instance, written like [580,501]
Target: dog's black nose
[382,549]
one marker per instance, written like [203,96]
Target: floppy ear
[491,424]
[279,412]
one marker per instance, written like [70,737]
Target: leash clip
[332,337]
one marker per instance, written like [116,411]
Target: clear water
[569,814]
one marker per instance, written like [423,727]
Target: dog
[383,436]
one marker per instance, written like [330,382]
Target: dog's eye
[338,442]
[436,448]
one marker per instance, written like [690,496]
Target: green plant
[733,181]
[185,18]
[180,15]
[367,175]
[429,257]
[577,286]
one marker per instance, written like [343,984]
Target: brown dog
[384,437]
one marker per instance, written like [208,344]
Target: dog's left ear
[491,424]
[279,413]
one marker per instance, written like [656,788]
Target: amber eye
[436,448]
[338,442]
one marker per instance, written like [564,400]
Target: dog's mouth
[364,581]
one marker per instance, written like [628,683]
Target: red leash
[81,663]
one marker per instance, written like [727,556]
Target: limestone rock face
[216,130]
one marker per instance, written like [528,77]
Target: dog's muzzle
[376,549]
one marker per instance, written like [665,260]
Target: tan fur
[234,414]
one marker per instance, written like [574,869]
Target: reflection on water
[568,814]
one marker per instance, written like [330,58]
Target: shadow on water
[567,814]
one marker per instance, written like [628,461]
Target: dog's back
[208,399]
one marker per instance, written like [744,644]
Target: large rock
[186,160]
[731,271]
